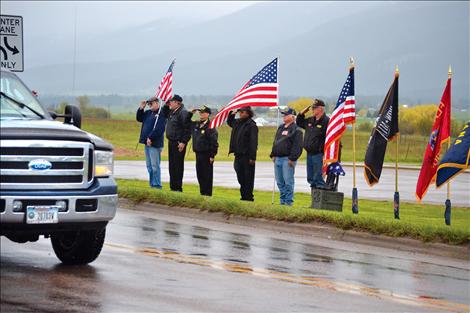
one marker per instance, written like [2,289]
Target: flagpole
[396,197]
[355,205]
[278,117]
[448,202]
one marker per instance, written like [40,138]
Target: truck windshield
[16,100]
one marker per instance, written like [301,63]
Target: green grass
[125,134]
[418,221]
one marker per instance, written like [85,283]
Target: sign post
[11,43]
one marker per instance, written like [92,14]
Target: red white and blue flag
[260,90]
[344,113]
[165,89]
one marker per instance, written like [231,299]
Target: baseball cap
[288,111]
[318,103]
[176,98]
[205,109]
[152,99]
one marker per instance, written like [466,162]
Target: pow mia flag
[386,128]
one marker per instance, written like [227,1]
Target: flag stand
[355,204]
[448,203]
[278,119]
[274,168]
[396,196]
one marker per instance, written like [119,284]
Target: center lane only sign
[11,43]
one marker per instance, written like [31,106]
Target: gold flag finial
[397,72]
[450,71]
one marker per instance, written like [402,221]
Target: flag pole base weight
[447,212]
[327,200]
[396,205]
[355,201]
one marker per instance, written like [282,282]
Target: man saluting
[205,146]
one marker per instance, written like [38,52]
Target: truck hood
[48,130]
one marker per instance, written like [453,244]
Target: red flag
[440,134]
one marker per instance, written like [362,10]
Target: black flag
[386,128]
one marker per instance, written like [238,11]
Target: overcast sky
[104,16]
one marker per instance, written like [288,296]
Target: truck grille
[69,164]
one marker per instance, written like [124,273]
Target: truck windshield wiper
[21,104]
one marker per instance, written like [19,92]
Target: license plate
[42,214]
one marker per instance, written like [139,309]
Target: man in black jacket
[314,141]
[205,146]
[244,144]
[287,148]
[178,133]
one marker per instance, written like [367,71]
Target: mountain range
[313,40]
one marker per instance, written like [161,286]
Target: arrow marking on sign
[5,55]
[14,49]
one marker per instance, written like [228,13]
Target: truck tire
[78,247]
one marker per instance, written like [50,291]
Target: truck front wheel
[78,247]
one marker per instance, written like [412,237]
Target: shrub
[365,126]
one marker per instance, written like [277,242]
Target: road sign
[11,43]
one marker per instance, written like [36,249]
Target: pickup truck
[56,180]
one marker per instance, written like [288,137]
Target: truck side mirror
[73,116]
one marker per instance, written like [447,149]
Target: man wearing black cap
[287,148]
[205,146]
[244,144]
[178,134]
[151,135]
[314,141]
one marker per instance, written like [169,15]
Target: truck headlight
[103,163]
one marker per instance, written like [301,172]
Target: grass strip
[422,222]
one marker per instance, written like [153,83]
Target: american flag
[260,90]
[165,89]
[344,113]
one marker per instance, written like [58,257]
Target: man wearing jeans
[151,135]
[287,148]
[314,141]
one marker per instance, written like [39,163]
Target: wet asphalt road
[224,175]
[153,262]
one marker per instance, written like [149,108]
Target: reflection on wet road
[399,276]
[151,264]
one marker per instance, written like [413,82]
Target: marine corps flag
[386,128]
[456,159]
[440,134]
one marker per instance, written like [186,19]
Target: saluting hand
[143,104]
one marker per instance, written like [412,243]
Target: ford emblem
[40,165]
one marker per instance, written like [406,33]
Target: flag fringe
[367,178]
